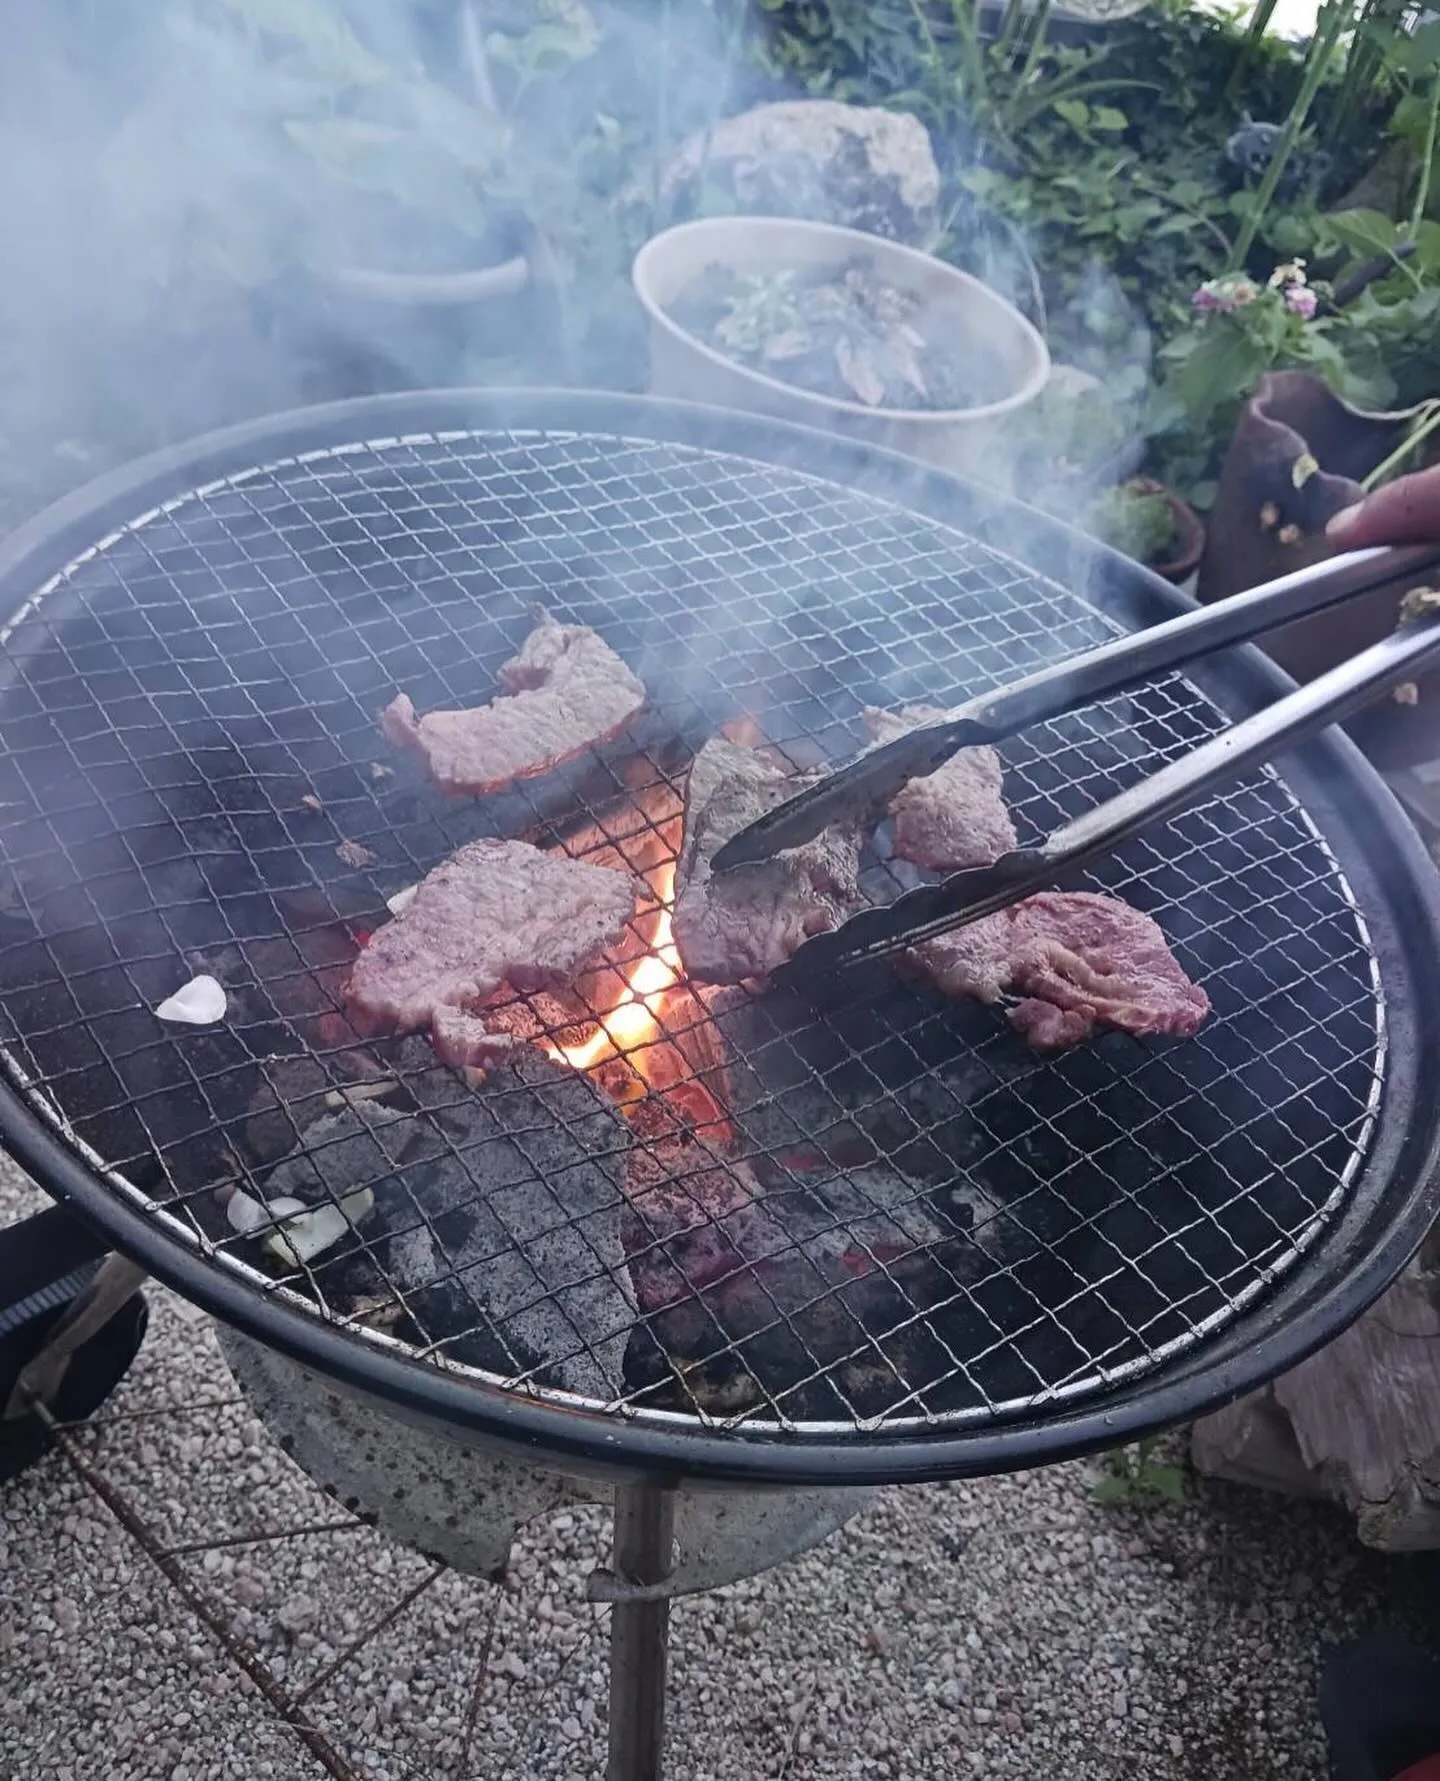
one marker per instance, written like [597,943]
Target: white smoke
[181,181]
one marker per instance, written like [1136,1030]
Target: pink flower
[1300,300]
[1225,295]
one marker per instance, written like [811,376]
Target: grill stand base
[640,1633]
[462,1506]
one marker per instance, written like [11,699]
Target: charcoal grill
[191,681]
[1070,1251]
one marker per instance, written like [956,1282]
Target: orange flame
[635,1018]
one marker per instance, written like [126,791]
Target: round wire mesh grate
[879,1211]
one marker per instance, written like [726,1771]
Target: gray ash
[496,1219]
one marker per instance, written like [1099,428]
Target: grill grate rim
[681,504]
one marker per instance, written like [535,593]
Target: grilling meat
[495,912]
[566,691]
[745,923]
[954,817]
[466,1041]
[1077,960]
[496,1223]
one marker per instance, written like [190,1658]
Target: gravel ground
[1008,1628]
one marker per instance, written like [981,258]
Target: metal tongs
[863,789]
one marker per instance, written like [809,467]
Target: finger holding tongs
[865,787]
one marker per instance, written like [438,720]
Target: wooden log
[1358,1423]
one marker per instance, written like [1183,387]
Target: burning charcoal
[566,691]
[748,1294]
[866,1081]
[871,1197]
[1079,960]
[825,1327]
[494,912]
[954,817]
[496,1220]
[745,923]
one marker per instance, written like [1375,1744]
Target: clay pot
[1263,526]
[1189,537]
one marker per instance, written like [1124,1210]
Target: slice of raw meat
[954,817]
[1078,961]
[496,1220]
[495,912]
[744,923]
[566,691]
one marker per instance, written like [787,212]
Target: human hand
[1406,511]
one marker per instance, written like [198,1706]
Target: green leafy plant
[343,127]
[1334,16]
[1136,518]
[1134,1476]
[1378,348]
[1241,329]
[1006,84]
[1065,439]
[842,333]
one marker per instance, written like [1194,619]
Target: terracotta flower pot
[1188,542]
[1262,526]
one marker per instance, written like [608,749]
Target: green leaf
[1222,368]
[1074,111]
[398,163]
[474,137]
[1132,218]
[318,29]
[1364,232]
[1167,1482]
[1415,53]
[1426,258]
[551,46]
[1410,118]
[1107,117]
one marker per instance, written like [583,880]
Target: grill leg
[639,1633]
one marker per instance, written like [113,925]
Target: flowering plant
[1235,291]
[1237,330]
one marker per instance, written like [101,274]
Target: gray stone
[815,158]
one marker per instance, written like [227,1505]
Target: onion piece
[402,899]
[199,1003]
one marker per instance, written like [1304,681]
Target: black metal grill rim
[1221,1370]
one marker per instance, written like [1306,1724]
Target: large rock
[1358,1423]
[818,159]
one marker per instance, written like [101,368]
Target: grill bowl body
[229,616]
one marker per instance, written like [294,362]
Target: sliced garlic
[402,899]
[200,1003]
[309,1231]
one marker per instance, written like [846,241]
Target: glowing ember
[635,1018]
